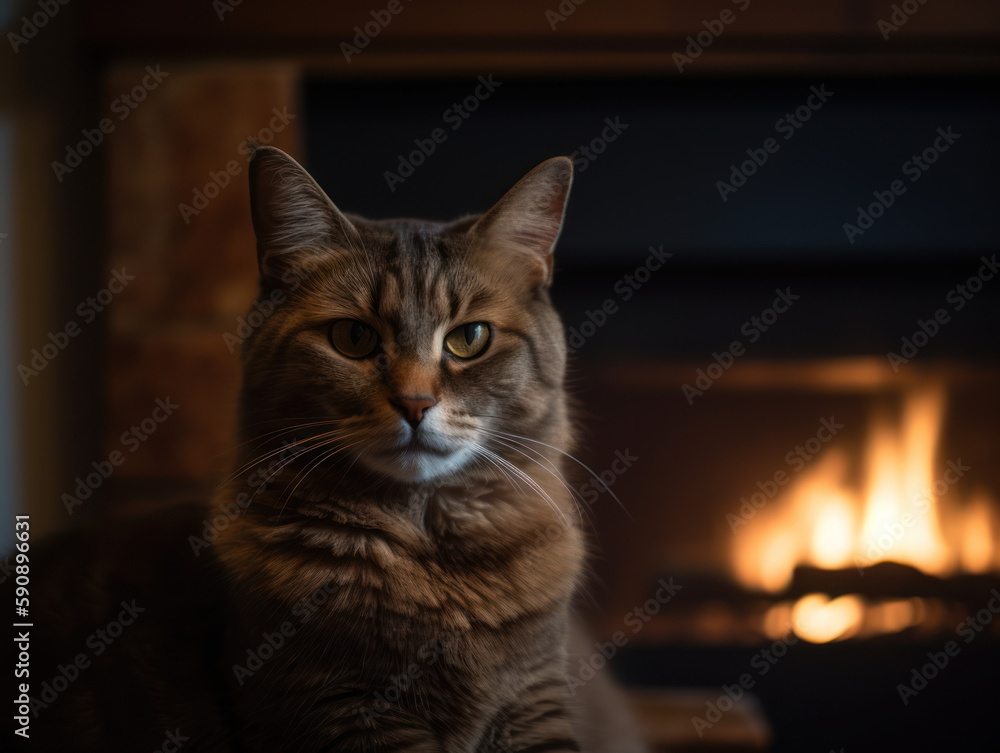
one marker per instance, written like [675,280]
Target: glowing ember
[819,620]
[906,512]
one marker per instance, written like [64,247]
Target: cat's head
[408,349]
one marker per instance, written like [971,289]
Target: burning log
[889,580]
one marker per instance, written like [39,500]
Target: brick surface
[195,270]
[191,369]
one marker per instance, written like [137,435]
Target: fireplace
[831,520]
[840,554]
[799,422]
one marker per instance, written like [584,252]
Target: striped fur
[410,550]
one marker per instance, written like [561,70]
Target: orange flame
[903,514]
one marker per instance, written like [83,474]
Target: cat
[392,563]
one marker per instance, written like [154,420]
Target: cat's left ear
[293,218]
[522,228]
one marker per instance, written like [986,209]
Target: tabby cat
[390,566]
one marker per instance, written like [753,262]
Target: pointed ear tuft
[293,218]
[522,228]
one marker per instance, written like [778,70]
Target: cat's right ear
[293,218]
[520,232]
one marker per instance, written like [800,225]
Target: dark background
[655,184]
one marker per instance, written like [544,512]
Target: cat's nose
[412,408]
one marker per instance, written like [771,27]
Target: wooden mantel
[423,37]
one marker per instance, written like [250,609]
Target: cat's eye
[353,338]
[468,340]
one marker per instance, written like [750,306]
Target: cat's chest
[481,561]
[478,574]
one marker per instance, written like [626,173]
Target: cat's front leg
[540,722]
[347,728]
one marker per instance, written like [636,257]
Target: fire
[978,535]
[904,512]
[818,619]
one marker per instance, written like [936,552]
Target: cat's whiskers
[528,480]
[295,456]
[571,457]
[477,451]
[304,473]
[257,460]
[327,469]
[552,470]
[289,429]
[283,419]
[315,421]
[549,467]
